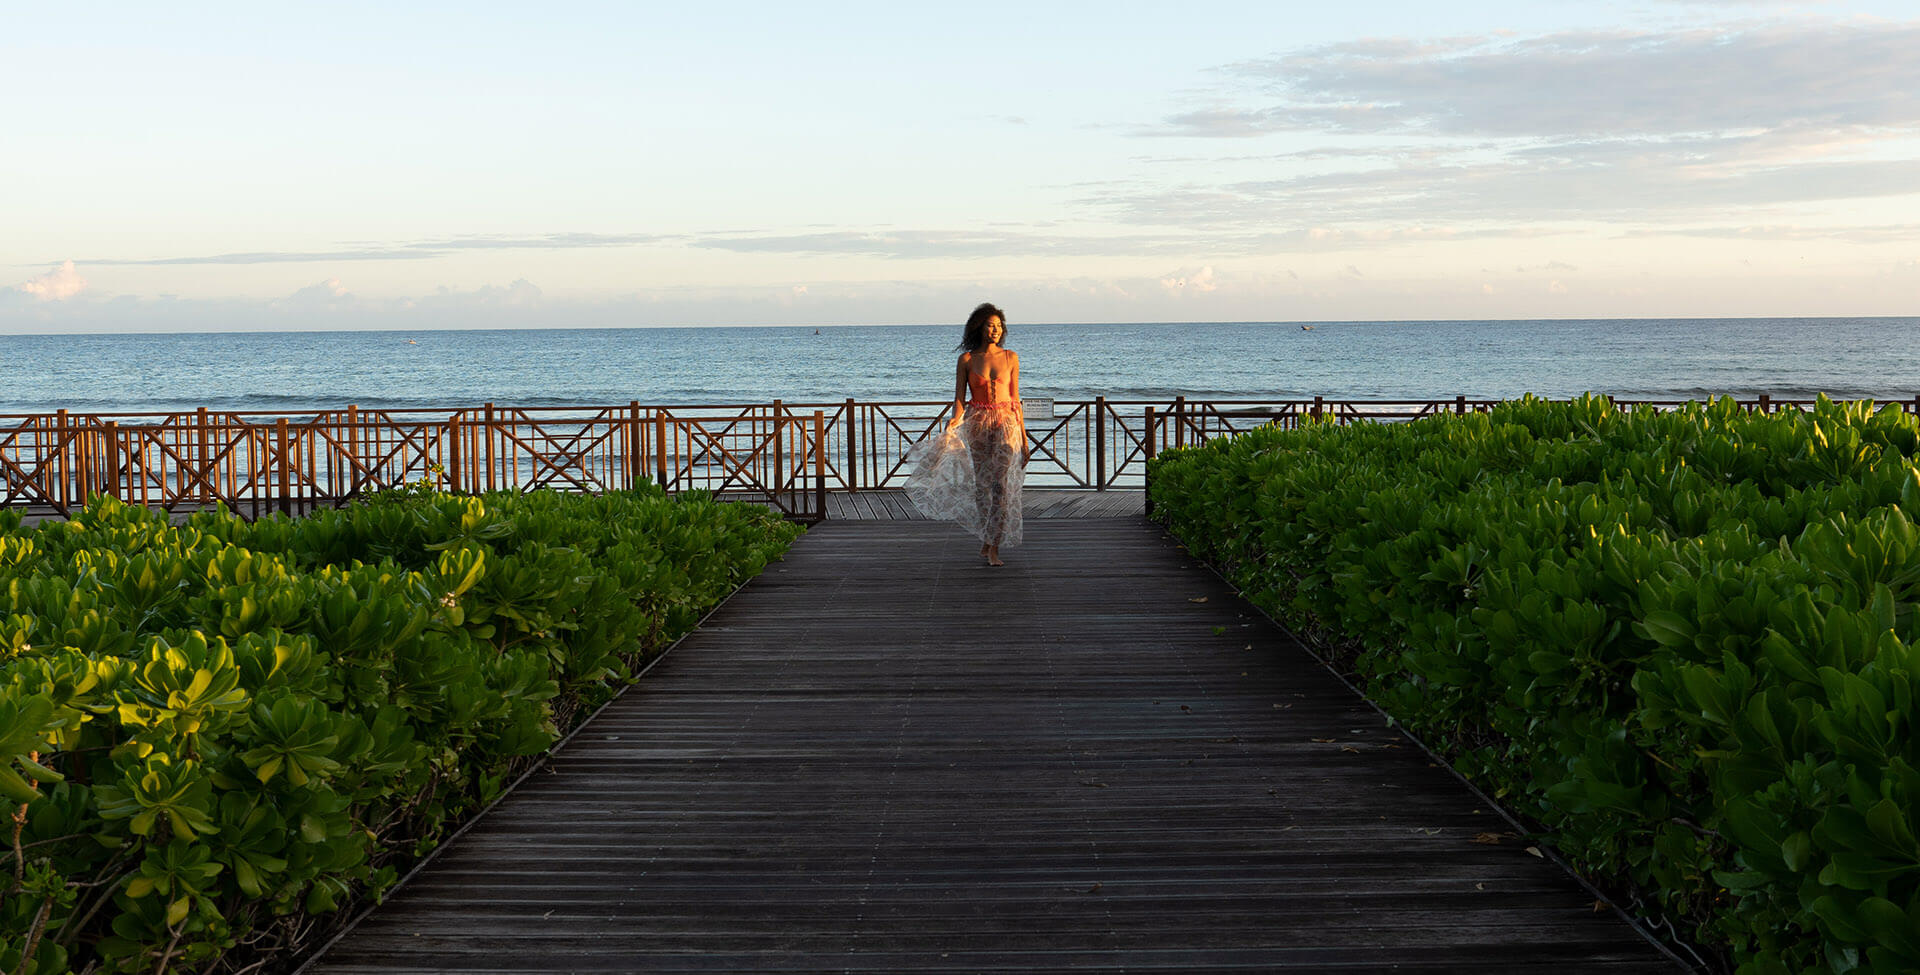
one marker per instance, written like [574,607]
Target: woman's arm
[1019,412]
[959,391]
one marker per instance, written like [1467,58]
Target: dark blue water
[1855,358]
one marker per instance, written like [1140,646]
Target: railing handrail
[1911,404]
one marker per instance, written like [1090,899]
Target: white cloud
[330,303]
[58,284]
[521,294]
[1660,183]
[1589,83]
[325,298]
[1195,280]
[324,291]
[949,244]
[419,250]
[1869,234]
[1232,221]
[1647,126]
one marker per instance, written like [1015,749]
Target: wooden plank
[1039,504]
[842,505]
[851,768]
[893,505]
[838,505]
[1065,505]
[901,508]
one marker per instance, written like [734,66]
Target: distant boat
[816,331]
[1306,328]
[412,342]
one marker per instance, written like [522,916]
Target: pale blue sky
[227,166]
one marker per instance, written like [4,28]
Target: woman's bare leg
[992,459]
[996,498]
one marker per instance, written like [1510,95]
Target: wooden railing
[782,454]
[257,463]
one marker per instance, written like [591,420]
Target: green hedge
[211,733]
[1682,642]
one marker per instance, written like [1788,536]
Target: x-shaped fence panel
[592,453]
[32,452]
[768,455]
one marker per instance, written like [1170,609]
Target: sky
[249,166]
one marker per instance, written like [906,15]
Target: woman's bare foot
[986,551]
[993,555]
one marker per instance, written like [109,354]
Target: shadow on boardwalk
[848,770]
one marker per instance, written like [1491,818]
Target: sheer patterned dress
[972,474]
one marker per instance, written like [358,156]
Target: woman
[972,472]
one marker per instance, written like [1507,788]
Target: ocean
[1847,358]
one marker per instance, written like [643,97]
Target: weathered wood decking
[881,505]
[892,505]
[851,767]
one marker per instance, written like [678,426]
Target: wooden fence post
[453,453]
[1766,403]
[1179,421]
[1147,466]
[86,478]
[1099,443]
[779,442]
[820,464]
[850,430]
[1459,405]
[492,478]
[1318,403]
[202,451]
[232,469]
[284,463]
[356,464]
[636,444]
[660,444]
[110,461]
[60,489]
[86,462]
[308,447]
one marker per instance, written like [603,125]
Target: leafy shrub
[211,733]
[1684,642]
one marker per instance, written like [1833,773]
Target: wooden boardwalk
[848,770]
[881,505]
[891,505]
